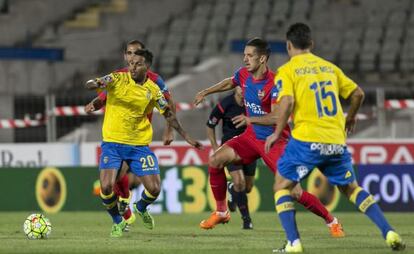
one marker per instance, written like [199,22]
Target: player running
[309,87]
[127,132]
[242,175]
[259,93]
[122,186]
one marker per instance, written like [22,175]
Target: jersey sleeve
[163,87]
[102,95]
[236,78]
[215,116]
[273,94]
[346,85]
[283,83]
[160,102]
[109,80]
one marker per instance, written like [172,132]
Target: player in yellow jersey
[309,89]
[127,132]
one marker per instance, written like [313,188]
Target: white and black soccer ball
[37,226]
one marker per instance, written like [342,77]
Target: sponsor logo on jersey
[260,94]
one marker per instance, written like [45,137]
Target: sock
[286,211]
[127,213]
[240,197]
[110,202]
[146,200]
[314,205]
[122,186]
[367,205]
[218,186]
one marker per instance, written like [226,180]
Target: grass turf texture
[88,232]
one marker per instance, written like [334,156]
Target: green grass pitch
[88,232]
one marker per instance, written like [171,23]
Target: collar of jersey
[264,76]
[302,55]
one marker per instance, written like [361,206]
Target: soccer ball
[37,226]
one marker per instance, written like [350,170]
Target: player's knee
[239,185]
[348,189]
[107,188]
[249,187]
[215,161]
[296,193]
[154,189]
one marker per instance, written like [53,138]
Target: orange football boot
[214,219]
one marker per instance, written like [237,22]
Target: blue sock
[366,204]
[146,200]
[286,211]
[110,202]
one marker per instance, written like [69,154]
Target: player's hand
[199,98]
[240,121]
[194,143]
[350,123]
[270,140]
[167,136]
[89,108]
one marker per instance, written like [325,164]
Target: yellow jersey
[127,107]
[315,85]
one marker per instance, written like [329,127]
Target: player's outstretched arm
[224,85]
[211,135]
[172,120]
[93,84]
[168,135]
[356,98]
[94,105]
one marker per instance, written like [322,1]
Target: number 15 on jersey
[322,97]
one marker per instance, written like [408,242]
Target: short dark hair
[146,54]
[134,42]
[262,47]
[299,34]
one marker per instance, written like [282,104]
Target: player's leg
[236,185]
[308,200]
[286,211]
[237,192]
[340,172]
[124,195]
[243,180]
[108,166]
[220,158]
[152,188]
[144,164]
[122,185]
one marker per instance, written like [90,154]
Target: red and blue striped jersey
[259,95]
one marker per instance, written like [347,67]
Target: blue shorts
[333,160]
[140,159]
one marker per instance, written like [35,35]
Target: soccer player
[127,132]
[242,175]
[259,93]
[309,87]
[122,186]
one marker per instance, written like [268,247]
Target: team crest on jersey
[148,95]
[107,79]
[213,120]
[261,94]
